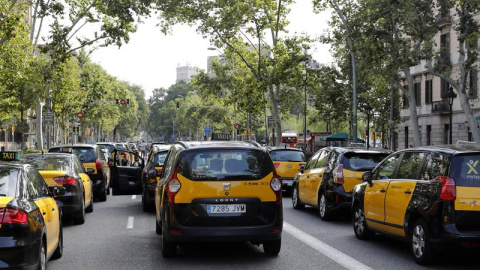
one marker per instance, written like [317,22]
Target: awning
[343,137]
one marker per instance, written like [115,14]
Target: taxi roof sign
[9,156]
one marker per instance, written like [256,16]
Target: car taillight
[338,175]
[159,171]
[448,191]
[173,186]
[12,216]
[276,165]
[65,180]
[98,164]
[276,186]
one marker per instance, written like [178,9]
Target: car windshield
[287,156]
[465,170]
[8,181]
[160,158]
[362,161]
[225,164]
[50,163]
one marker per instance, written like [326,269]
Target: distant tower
[185,73]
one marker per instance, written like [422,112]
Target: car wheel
[89,209]
[272,248]
[169,249]
[59,251]
[296,199]
[146,207]
[42,257]
[80,218]
[420,243]
[158,227]
[360,224]
[103,196]
[322,207]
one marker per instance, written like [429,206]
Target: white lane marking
[134,197]
[130,223]
[331,252]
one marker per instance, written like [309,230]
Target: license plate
[287,182]
[226,208]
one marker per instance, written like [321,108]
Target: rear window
[110,147]
[362,161]
[289,139]
[160,158]
[8,181]
[465,170]
[85,154]
[225,164]
[50,163]
[285,155]
[120,146]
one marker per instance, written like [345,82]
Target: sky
[150,58]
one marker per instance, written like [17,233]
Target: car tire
[322,207]
[272,248]
[421,246]
[360,223]
[158,227]
[59,250]
[42,256]
[89,209]
[169,249]
[102,196]
[296,199]
[80,218]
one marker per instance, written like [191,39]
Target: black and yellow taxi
[151,176]
[427,196]
[287,162]
[327,180]
[30,219]
[66,170]
[94,163]
[219,191]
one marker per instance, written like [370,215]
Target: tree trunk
[39,125]
[276,112]
[413,107]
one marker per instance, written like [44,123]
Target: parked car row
[426,196]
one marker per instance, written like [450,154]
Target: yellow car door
[87,185]
[303,178]
[315,178]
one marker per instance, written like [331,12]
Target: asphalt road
[119,235]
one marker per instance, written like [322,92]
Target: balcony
[440,107]
[443,20]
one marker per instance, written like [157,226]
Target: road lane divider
[130,223]
[134,197]
[329,251]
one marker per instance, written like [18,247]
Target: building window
[444,85]
[470,139]
[428,91]
[429,135]
[405,102]
[417,89]
[445,48]
[406,137]
[472,84]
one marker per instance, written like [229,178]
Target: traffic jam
[237,191]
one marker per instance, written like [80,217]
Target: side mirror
[152,174]
[90,170]
[302,168]
[367,177]
[59,191]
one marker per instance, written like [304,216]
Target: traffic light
[128,102]
[178,105]
[117,101]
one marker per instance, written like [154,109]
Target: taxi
[30,219]
[327,180]
[287,162]
[151,176]
[66,170]
[95,164]
[219,191]
[426,196]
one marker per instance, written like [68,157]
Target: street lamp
[451,95]
[368,108]
[305,101]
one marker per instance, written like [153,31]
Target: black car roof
[210,144]
[270,148]
[13,164]
[55,154]
[74,145]
[360,150]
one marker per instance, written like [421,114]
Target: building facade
[432,106]
[185,73]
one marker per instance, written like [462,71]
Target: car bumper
[287,183]
[338,199]
[70,204]
[449,242]
[18,252]
[234,234]
[98,182]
